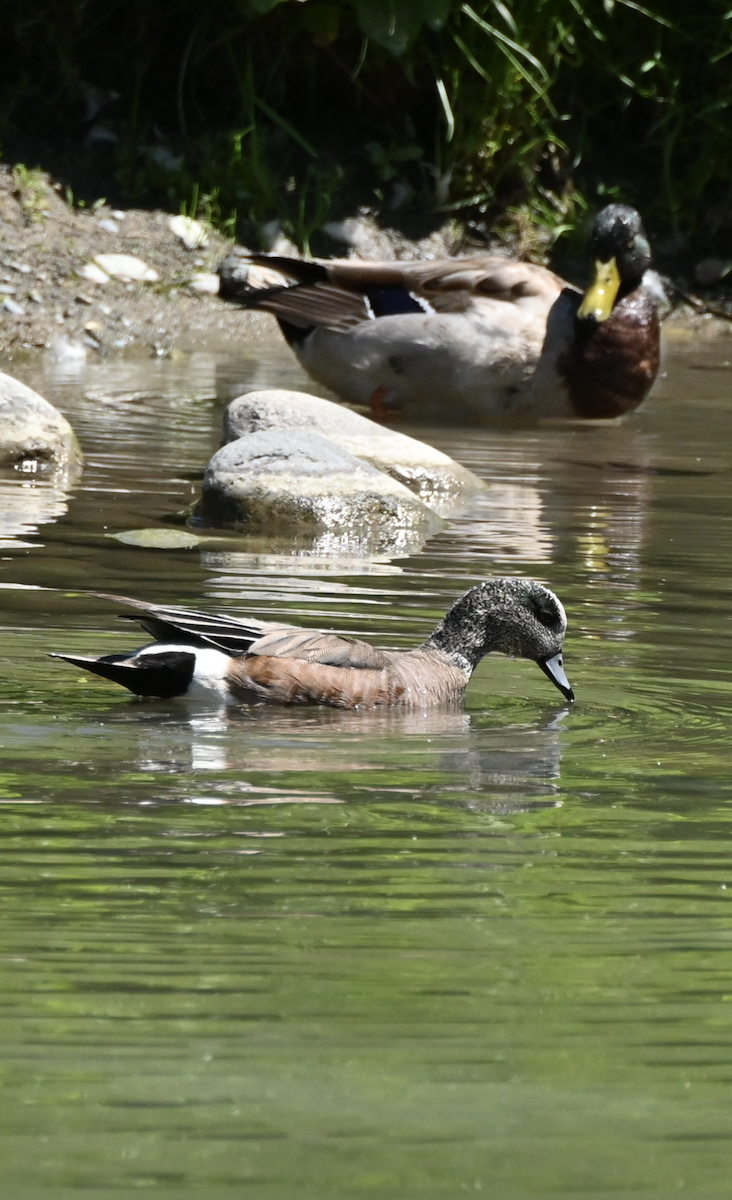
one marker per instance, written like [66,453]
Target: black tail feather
[162,675]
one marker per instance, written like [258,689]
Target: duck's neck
[610,367]
[462,640]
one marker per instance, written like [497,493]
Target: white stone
[126,267]
[13,307]
[205,282]
[94,273]
[191,233]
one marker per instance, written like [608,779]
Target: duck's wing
[339,294]
[248,636]
[233,635]
[315,646]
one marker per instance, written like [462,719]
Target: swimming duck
[480,338]
[252,661]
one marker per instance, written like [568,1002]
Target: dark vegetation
[251,112]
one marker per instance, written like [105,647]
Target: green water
[284,954]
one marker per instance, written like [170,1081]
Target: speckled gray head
[518,617]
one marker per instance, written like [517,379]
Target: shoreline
[47,304]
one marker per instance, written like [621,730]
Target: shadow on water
[307,952]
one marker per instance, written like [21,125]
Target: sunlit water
[287,953]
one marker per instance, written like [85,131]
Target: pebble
[109,226]
[10,306]
[191,233]
[94,274]
[82,298]
[6,289]
[126,267]
[203,282]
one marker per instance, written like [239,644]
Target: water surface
[279,954]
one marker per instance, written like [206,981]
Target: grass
[29,188]
[256,113]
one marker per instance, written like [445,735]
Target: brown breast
[419,679]
[611,366]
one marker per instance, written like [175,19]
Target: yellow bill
[600,295]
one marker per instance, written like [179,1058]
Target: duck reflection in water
[444,757]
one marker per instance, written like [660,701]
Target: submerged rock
[33,434]
[436,478]
[297,482]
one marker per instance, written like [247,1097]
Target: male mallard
[253,661]
[479,338]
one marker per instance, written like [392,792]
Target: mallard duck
[252,661]
[479,338]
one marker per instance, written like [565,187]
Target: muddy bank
[45,301]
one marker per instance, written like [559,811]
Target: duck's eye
[545,616]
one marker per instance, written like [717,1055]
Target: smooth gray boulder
[436,478]
[297,482]
[32,431]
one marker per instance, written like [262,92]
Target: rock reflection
[27,504]
[508,519]
[315,560]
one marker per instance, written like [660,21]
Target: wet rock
[711,271]
[438,480]
[33,434]
[364,237]
[297,482]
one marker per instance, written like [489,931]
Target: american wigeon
[481,338]
[252,661]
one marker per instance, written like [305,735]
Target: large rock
[296,482]
[33,434]
[437,479]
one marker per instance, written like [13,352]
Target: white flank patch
[209,673]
